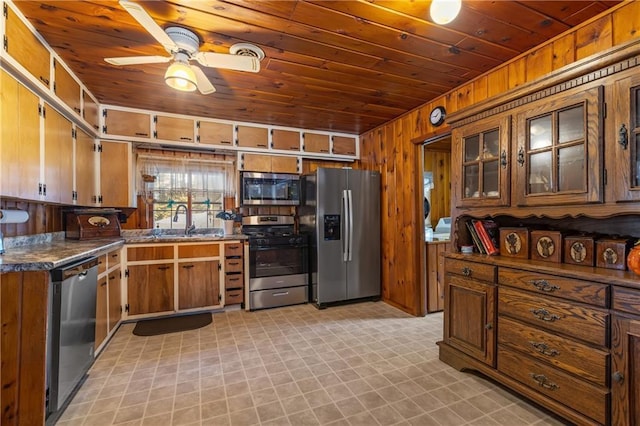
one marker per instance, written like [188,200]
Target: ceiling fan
[183,45]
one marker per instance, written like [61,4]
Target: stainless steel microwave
[271,189]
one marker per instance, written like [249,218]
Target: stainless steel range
[278,262]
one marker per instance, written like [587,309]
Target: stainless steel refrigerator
[340,210]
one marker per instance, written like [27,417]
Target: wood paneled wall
[42,218]
[394,148]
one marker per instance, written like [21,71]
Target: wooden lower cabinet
[559,341]
[470,299]
[150,288]
[108,298]
[625,352]
[102,311]
[114,281]
[198,284]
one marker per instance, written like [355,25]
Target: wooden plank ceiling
[345,66]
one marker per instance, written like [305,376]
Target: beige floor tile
[363,364]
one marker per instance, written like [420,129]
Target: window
[185,189]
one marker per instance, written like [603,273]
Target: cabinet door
[125,123]
[174,129]
[253,137]
[315,142]
[25,47]
[625,385]
[90,111]
[85,169]
[58,157]
[469,321]
[344,145]
[212,133]
[624,173]
[198,284]
[482,149]
[281,164]
[20,140]
[115,181]
[66,87]
[559,151]
[255,162]
[285,140]
[101,312]
[150,288]
[115,298]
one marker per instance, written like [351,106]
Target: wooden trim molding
[606,63]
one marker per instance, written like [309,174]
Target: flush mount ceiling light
[180,76]
[444,11]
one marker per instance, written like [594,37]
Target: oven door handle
[263,248]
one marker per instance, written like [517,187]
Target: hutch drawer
[469,269]
[562,387]
[573,320]
[626,300]
[577,290]
[573,357]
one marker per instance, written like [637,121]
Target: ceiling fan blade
[147,22]
[132,60]
[230,62]
[204,85]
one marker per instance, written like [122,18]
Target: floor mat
[154,327]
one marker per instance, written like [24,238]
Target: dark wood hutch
[562,153]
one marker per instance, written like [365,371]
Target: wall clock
[437,116]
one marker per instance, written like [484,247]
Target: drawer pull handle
[544,315]
[282,293]
[466,271]
[163,268]
[188,266]
[618,377]
[542,380]
[543,348]
[543,285]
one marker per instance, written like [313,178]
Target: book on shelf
[475,238]
[489,245]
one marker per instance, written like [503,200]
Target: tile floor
[361,364]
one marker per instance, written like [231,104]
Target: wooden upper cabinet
[482,150]
[90,111]
[126,123]
[19,140]
[268,163]
[66,87]
[624,173]
[343,145]
[212,133]
[85,169]
[26,49]
[58,157]
[559,155]
[285,140]
[315,142]
[253,137]
[174,129]
[115,174]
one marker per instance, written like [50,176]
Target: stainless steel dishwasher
[71,331]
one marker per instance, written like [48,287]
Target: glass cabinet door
[625,176]
[483,147]
[559,158]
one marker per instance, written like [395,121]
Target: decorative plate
[98,221]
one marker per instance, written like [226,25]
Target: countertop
[50,251]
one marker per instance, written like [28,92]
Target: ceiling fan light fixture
[444,11]
[180,76]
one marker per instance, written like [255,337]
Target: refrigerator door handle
[345,223]
[350,204]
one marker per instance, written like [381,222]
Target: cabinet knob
[466,271]
[618,377]
[503,159]
[488,326]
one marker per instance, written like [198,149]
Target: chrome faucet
[186,210]
[189,230]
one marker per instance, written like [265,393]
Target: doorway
[437,185]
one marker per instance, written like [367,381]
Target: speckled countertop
[49,251]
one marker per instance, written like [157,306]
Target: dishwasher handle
[79,267]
